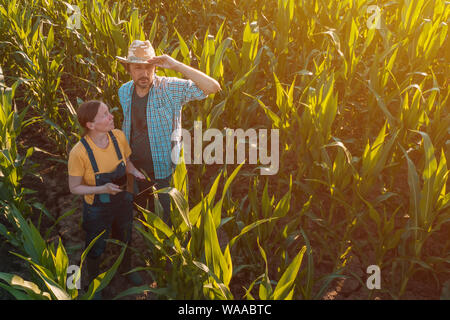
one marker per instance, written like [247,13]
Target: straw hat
[138,52]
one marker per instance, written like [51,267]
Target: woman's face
[103,121]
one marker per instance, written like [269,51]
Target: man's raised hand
[164,61]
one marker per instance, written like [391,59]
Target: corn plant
[49,266]
[103,35]
[285,287]
[12,162]
[31,48]
[268,210]
[202,258]
[427,209]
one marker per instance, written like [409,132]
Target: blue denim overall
[112,213]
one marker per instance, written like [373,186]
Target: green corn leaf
[210,201]
[265,289]
[33,243]
[250,45]
[228,272]
[150,237]
[217,67]
[276,120]
[283,205]
[328,108]
[310,267]
[61,263]
[285,286]
[31,288]
[220,33]
[248,228]
[152,34]
[102,280]
[233,60]
[247,294]
[156,222]
[86,251]
[266,204]
[215,259]
[237,83]
[180,178]
[180,203]
[139,290]
[280,93]
[414,189]
[224,291]
[429,194]
[19,295]
[373,214]
[380,102]
[40,206]
[194,215]
[50,39]
[441,176]
[58,291]
[215,114]
[394,240]
[183,47]
[389,67]
[217,210]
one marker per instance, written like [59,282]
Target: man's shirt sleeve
[182,91]
[124,99]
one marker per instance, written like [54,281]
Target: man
[152,111]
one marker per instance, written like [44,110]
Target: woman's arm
[76,187]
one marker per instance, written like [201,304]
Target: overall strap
[116,145]
[90,154]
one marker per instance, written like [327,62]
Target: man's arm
[131,169]
[204,82]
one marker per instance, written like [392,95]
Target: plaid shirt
[165,100]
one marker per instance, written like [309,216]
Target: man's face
[142,74]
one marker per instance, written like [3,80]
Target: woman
[98,168]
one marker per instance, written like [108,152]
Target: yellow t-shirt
[107,161]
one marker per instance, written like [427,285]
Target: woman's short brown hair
[87,112]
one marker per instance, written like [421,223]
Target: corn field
[358,89]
